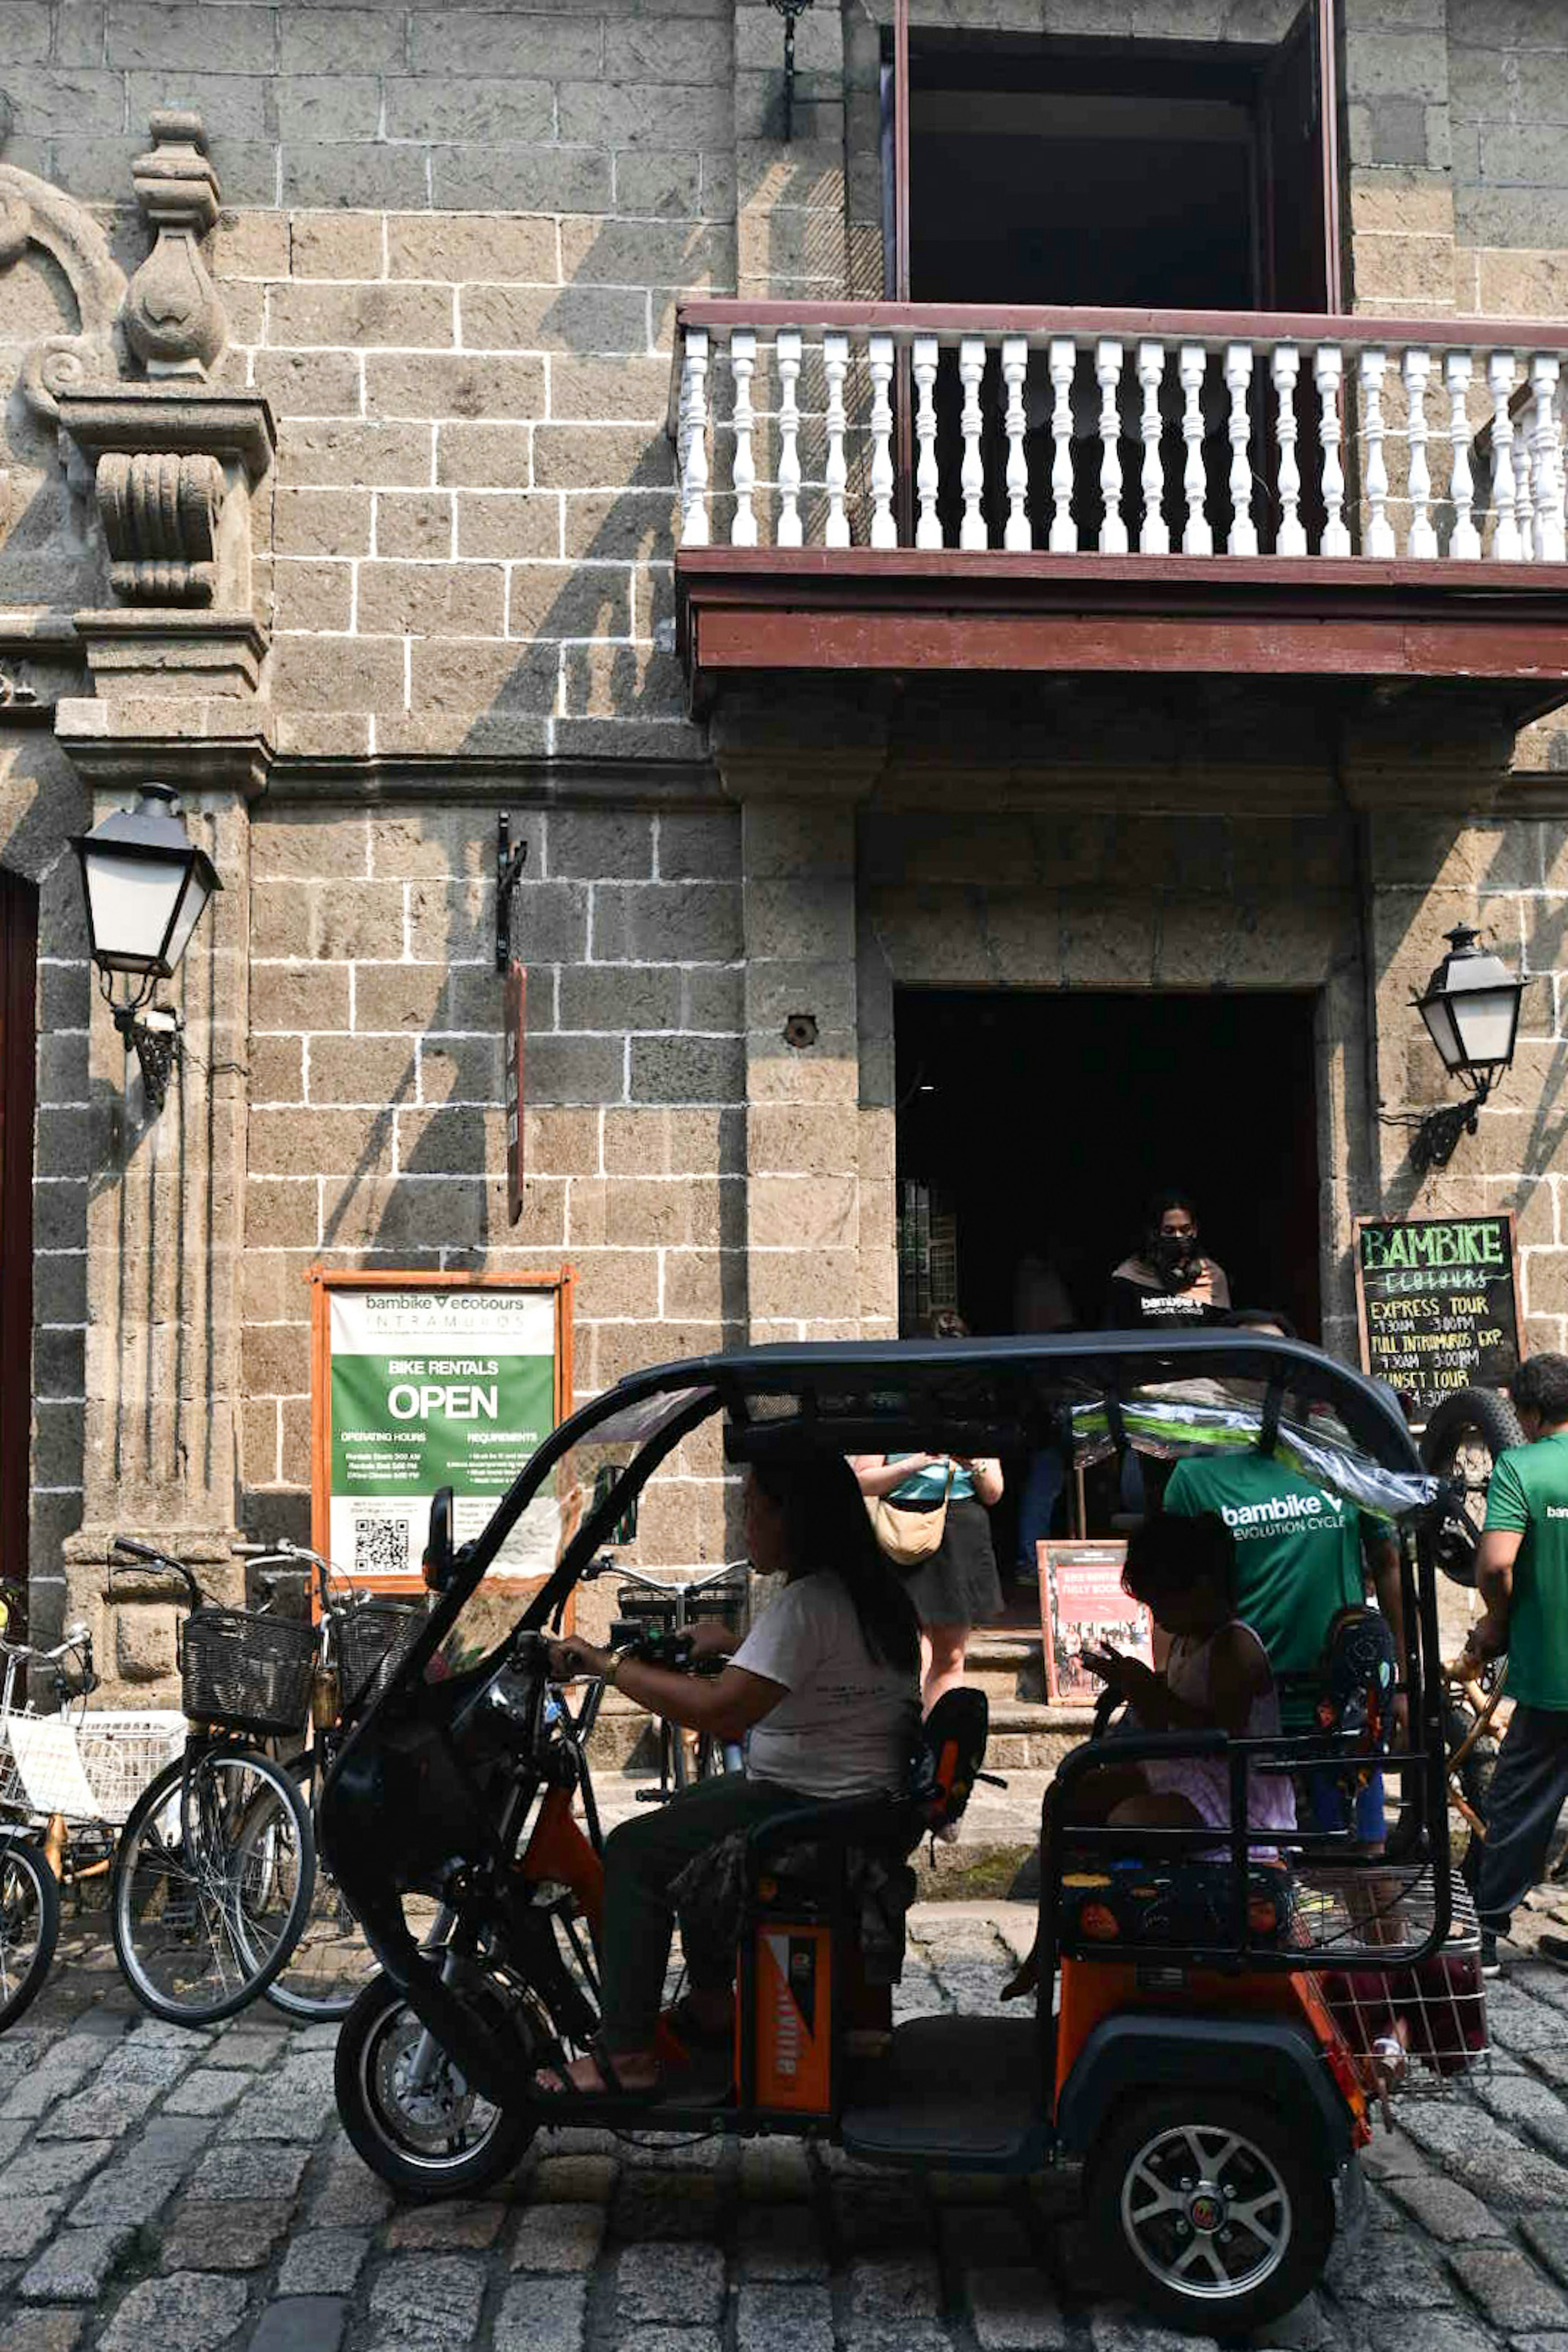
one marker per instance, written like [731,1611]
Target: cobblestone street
[167,2191]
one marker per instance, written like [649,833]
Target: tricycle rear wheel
[1210,2208]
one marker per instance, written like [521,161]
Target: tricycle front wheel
[409,2112]
[1225,2214]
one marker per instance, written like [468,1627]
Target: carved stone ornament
[174,475]
[32,213]
[159,515]
[174,321]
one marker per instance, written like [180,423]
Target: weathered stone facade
[447,257]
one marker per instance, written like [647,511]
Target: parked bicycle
[355,1635]
[43,1793]
[214,1875]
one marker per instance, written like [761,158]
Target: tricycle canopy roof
[1204,1393]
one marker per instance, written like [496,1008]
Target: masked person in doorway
[958,1587]
[1522,1574]
[1302,1555]
[1168,1284]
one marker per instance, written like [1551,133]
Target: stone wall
[376,1131]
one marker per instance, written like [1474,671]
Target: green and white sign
[436,1387]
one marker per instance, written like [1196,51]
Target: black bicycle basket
[370,1632]
[241,1671]
[727,1602]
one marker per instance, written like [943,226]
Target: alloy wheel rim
[1205,2212]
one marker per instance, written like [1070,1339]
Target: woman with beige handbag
[929,1511]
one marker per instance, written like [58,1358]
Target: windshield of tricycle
[1098,1394]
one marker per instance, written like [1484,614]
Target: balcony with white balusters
[882,487]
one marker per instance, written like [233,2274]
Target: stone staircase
[1000,1828]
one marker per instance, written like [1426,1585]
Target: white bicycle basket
[90,1767]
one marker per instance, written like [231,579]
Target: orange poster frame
[559,1281]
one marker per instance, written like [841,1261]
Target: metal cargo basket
[241,1671]
[370,1632]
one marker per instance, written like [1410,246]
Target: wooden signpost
[1082,1604]
[1438,1303]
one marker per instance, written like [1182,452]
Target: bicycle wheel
[330,1965]
[29,1926]
[212,1883]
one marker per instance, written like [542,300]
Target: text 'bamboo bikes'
[216,1894]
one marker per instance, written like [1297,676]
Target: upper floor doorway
[1120,174]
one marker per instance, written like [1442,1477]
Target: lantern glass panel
[188,916]
[132,901]
[1485,1019]
[1437,1013]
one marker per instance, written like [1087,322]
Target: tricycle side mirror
[606,1479]
[440,1552]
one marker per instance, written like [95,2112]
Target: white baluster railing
[928,531]
[971,368]
[1108,374]
[1243,539]
[1422,542]
[1501,369]
[1064,528]
[743,367]
[1291,537]
[1256,421]
[1014,366]
[787,352]
[1464,539]
[884,530]
[1154,537]
[1197,539]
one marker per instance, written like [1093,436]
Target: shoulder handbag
[909,1537]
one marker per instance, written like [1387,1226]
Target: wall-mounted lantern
[1472,1012]
[146,883]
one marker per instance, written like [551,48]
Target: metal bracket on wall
[789,10]
[509,864]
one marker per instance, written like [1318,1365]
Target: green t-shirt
[1529,1495]
[1297,1555]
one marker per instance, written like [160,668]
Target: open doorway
[1029,1119]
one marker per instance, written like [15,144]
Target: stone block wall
[377,1133]
[1510,880]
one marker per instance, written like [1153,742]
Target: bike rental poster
[428,1380]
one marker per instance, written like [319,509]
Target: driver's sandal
[554,2082]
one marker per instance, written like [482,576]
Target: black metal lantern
[146,883]
[1472,1012]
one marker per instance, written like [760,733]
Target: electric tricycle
[1220,2014]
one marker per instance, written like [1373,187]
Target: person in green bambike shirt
[1522,1574]
[1301,1556]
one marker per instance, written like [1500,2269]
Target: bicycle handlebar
[159,1563]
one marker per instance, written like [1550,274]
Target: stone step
[1023,1732]
[1006,1666]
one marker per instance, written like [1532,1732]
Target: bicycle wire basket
[730,1603]
[242,1672]
[90,1767]
[369,1635]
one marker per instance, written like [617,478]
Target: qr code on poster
[381,1546]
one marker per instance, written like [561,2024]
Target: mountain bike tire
[212,1883]
[29,1926]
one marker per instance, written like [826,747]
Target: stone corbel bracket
[175,476]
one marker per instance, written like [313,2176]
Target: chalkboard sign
[1438,1303]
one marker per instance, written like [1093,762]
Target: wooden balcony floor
[750,612]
